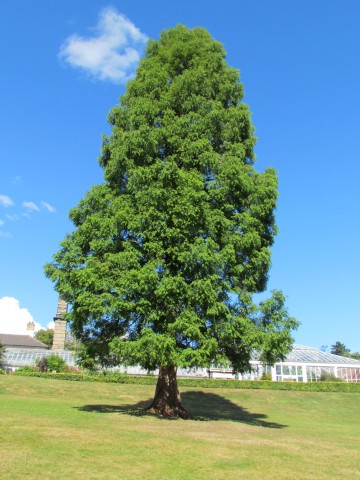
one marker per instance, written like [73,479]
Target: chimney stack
[60,325]
[30,328]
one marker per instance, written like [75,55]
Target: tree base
[167,411]
[167,402]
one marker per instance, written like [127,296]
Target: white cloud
[6,201]
[31,206]
[48,207]
[13,218]
[13,318]
[50,326]
[112,53]
[1,222]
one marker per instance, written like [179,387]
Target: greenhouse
[307,364]
[21,357]
[302,364]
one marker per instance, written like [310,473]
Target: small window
[286,370]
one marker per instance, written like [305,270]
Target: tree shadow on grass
[202,406]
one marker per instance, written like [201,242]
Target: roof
[301,353]
[10,340]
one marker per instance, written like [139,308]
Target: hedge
[203,382]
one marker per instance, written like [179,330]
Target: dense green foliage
[45,336]
[202,382]
[167,252]
[52,363]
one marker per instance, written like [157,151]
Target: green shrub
[329,377]
[42,365]
[266,376]
[26,369]
[52,363]
[56,364]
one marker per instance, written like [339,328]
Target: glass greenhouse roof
[302,354]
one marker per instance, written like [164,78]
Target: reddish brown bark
[167,402]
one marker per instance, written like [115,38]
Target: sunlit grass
[64,430]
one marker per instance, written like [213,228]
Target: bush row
[202,382]
[269,385]
[82,377]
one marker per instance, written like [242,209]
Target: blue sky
[64,67]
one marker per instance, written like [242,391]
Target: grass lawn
[53,429]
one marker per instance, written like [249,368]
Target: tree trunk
[167,401]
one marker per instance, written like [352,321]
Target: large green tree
[45,336]
[168,251]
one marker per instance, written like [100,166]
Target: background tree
[167,252]
[2,353]
[45,336]
[340,349]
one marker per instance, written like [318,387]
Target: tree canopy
[168,251]
[45,336]
[340,349]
